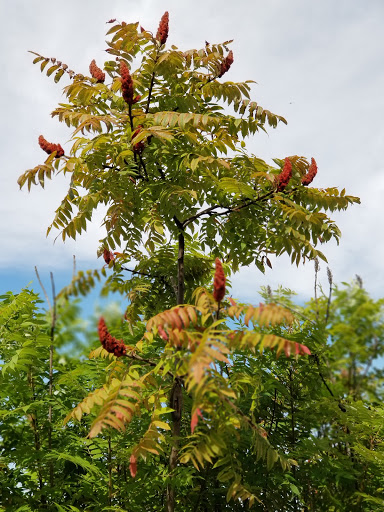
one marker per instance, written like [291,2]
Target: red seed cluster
[110,343]
[162,31]
[219,282]
[49,148]
[108,256]
[226,64]
[283,178]
[126,83]
[312,171]
[96,72]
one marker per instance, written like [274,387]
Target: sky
[318,64]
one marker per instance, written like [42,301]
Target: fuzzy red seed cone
[59,151]
[108,256]
[283,178]
[103,331]
[162,31]
[312,171]
[226,64]
[219,282]
[126,83]
[49,147]
[96,72]
[110,343]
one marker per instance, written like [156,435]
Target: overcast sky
[319,64]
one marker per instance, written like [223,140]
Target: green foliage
[282,433]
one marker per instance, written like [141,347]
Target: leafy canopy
[159,140]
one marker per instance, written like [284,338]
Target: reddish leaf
[133,465]
[287,348]
[305,350]
[195,419]
[162,333]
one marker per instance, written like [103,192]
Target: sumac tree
[159,142]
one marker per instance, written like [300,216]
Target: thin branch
[273,412]
[293,432]
[132,355]
[32,416]
[152,82]
[176,403]
[330,280]
[52,336]
[227,209]
[44,290]
[317,268]
[111,167]
[144,167]
[130,116]
[110,483]
[160,171]
[146,274]
[150,92]
[74,267]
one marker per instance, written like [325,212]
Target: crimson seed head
[219,282]
[312,171]
[226,64]
[96,72]
[283,178]
[110,343]
[108,256]
[126,83]
[162,31]
[49,147]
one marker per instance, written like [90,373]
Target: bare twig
[110,484]
[140,273]
[317,268]
[330,280]
[44,290]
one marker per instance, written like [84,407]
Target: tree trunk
[180,270]
[176,398]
